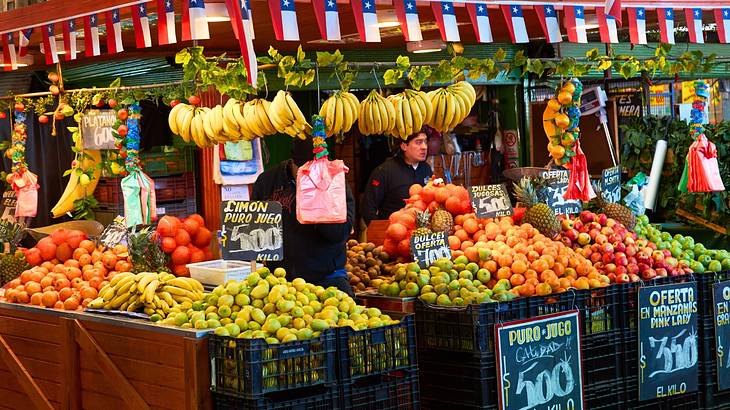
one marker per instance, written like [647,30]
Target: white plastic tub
[219,271]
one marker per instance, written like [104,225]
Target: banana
[106,293]
[407,117]
[298,115]
[198,129]
[197,286]
[375,117]
[118,278]
[455,110]
[119,300]
[330,116]
[74,190]
[208,127]
[144,280]
[184,126]
[97,303]
[262,111]
[134,306]
[125,286]
[180,283]
[426,106]
[339,115]
[217,122]
[167,297]
[175,291]
[172,118]
[399,126]
[416,113]
[390,109]
[149,291]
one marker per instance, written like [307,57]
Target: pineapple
[442,221]
[423,221]
[145,252]
[12,263]
[540,216]
[620,213]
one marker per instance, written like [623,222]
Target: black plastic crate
[628,312]
[602,363]
[444,403]
[395,391]
[361,353]
[460,379]
[603,395]
[712,398]
[321,399]
[249,367]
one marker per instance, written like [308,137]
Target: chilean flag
[24,41]
[515,23]
[694,25]
[666,25]
[366,20]
[166,22]
[613,9]
[637,25]
[407,13]
[575,23]
[49,44]
[238,12]
[446,20]
[284,17]
[328,19]
[606,26]
[250,19]
[69,39]
[548,17]
[194,24]
[722,20]
[113,32]
[480,20]
[9,58]
[141,22]
[91,35]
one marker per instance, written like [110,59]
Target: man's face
[415,150]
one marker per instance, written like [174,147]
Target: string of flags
[284,21]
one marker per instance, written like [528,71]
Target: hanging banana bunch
[286,116]
[451,105]
[413,109]
[340,111]
[377,115]
[255,120]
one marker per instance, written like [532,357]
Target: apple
[578,225]
[112,103]
[123,114]
[593,233]
[649,274]
[620,259]
[611,277]
[584,238]
[611,222]
[586,216]
[607,258]
[607,231]
[173,103]
[566,241]
[19,106]
[632,269]
[43,119]
[623,278]
[571,234]
[53,77]
[599,266]
[661,272]
[54,89]
[601,239]
[194,100]
[602,219]
[621,270]
[657,255]
[122,130]
[101,103]
[651,245]
[3,115]
[610,267]
[596,257]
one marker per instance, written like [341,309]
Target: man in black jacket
[313,252]
[389,183]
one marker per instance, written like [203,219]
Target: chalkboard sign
[8,206]
[556,184]
[721,292]
[667,340]
[426,249]
[115,233]
[251,231]
[490,201]
[629,107]
[539,363]
[96,129]
[611,184]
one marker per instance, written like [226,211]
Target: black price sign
[115,233]
[251,230]
[490,201]
[667,340]
[427,249]
[539,363]
[721,292]
[556,185]
[630,107]
[611,184]
[97,127]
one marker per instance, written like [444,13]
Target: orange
[466,244]
[89,293]
[472,254]
[78,253]
[471,226]
[517,279]
[527,289]
[565,283]
[543,289]
[46,281]
[65,293]
[72,263]
[504,273]
[36,276]
[462,235]
[32,288]
[71,304]
[49,298]
[36,299]
[491,266]
[582,283]
[540,265]
[95,282]
[519,267]
[62,283]
[505,260]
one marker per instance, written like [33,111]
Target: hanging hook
[319,97]
[377,81]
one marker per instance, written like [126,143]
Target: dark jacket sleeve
[374,194]
[339,232]
[262,187]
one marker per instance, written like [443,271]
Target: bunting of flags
[607,26]
[69,39]
[24,41]
[575,24]
[49,44]
[693,17]
[666,25]
[91,35]
[141,23]
[194,23]
[166,22]
[113,32]
[239,14]
[637,25]
[284,19]
[446,20]
[515,23]
[722,20]
[328,19]
[407,13]
[366,20]
[10,61]
[480,20]
[548,17]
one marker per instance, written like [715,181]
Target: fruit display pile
[72,278]
[365,262]
[266,305]
[185,241]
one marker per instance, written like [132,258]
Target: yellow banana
[97,303]
[150,290]
[180,283]
[144,280]
[262,111]
[175,291]
[339,115]
[416,114]
[208,127]
[172,118]
[184,126]
[74,189]
[407,117]
[119,300]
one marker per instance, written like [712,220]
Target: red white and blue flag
[284,18]
[666,25]
[613,9]
[166,22]
[548,17]
[10,61]
[575,23]
[637,25]
[480,20]
[239,14]
[446,20]
[328,19]
[407,13]
[113,32]
[91,35]
[606,26]
[515,23]
[694,25]
[722,20]
[250,19]
[69,40]
[141,22]
[24,41]
[49,44]
[366,20]
[194,22]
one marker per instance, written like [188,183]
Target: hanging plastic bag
[703,171]
[321,192]
[26,192]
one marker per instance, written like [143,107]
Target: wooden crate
[73,360]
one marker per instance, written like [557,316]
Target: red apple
[19,106]
[586,216]
[194,100]
[3,115]
[122,130]
[123,114]
[43,119]
[173,103]
[54,89]
[623,278]
[112,103]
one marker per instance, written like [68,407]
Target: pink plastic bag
[26,191]
[321,192]
[704,171]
